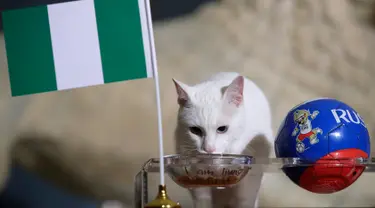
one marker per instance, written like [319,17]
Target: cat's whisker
[188,150]
[191,149]
[249,150]
[187,147]
[188,142]
[189,153]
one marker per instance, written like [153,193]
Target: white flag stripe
[145,36]
[75,42]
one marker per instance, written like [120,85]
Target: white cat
[224,114]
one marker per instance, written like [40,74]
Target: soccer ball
[330,135]
[300,147]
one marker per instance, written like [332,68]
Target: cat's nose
[210,149]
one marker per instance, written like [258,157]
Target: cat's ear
[182,92]
[234,92]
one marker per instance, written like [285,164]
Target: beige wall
[94,140]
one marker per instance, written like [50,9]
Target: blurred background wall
[93,141]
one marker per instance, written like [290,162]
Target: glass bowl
[207,170]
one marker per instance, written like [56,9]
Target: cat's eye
[222,129]
[196,130]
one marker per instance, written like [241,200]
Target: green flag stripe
[120,39]
[29,51]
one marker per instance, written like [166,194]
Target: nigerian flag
[76,44]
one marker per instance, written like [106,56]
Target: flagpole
[157,90]
[162,199]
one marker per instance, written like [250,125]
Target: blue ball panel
[351,131]
[294,173]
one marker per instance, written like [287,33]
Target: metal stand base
[268,165]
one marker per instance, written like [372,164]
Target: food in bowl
[208,170]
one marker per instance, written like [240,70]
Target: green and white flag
[76,44]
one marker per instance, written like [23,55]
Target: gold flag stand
[162,200]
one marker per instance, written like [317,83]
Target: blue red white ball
[326,133]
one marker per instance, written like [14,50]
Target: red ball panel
[333,172]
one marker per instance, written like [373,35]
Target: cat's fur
[223,114]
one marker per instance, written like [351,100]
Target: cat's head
[212,118]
